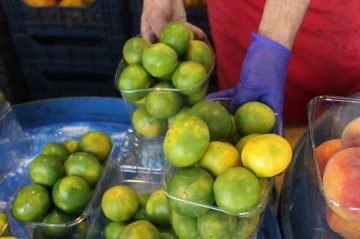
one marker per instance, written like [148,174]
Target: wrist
[279,35]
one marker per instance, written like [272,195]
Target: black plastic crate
[195,15]
[103,18]
[54,84]
[64,54]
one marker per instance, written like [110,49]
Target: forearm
[282,19]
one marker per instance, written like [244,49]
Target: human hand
[262,76]
[157,13]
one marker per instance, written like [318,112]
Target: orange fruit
[112,229]
[237,190]
[71,145]
[246,226]
[189,77]
[71,194]
[158,209]
[193,185]
[254,117]
[200,52]
[182,113]
[4,228]
[85,166]
[216,117]
[267,155]
[184,227]
[141,213]
[160,60]
[186,141]
[241,143]
[55,216]
[46,170]
[140,229]
[146,124]
[133,82]
[96,143]
[218,157]
[31,203]
[217,225]
[162,102]
[57,149]
[177,35]
[119,203]
[234,135]
[133,50]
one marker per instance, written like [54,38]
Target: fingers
[221,94]
[198,33]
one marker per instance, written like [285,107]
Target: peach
[341,182]
[325,151]
[347,229]
[351,134]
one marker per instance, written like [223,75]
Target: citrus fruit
[134,48]
[31,203]
[267,155]
[158,209]
[133,82]
[4,228]
[241,143]
[191,185]
[119,203]
[55,216]
[140,229]
[146,124]
[254,117]
[217,225]
[184,227]
[46,169]
[112,229]
[246,226]
[96,143]
[182,113]
[166,78]
[194,98]
[162,102]
[81,230]
[200,52]
[166,232]
[189,77]
[160,60]
[141,213]
[71,194]
[218,157]
[186,141]
[177,35]
[216,117]
[85,166]
[57,149]
[237,190]
[264,197]
[234,135]
[71,145]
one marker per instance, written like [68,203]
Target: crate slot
[68,41]
[80,77]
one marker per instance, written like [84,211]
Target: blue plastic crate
[195,15]
[99,55]
[103,18]
[54,84]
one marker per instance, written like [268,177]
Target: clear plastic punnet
[328,116]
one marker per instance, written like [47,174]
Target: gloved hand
[157,13]
[262,76]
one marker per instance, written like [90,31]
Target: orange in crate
[41,3]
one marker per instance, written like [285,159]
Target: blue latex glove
[262,77]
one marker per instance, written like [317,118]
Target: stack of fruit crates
[68,47]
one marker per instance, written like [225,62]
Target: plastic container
[14,143]
[82,222]
[328,116]
[187,99]
[141,179]
[103,18]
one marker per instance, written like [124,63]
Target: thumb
[221,94]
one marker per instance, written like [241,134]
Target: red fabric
[325,57]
